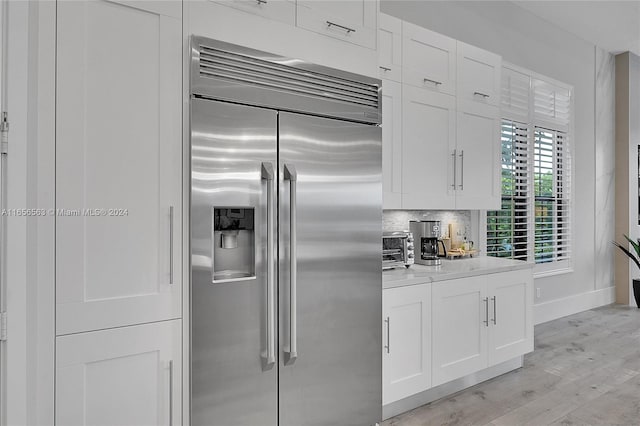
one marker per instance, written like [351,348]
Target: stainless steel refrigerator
[285,241]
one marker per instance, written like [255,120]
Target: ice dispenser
[233,244]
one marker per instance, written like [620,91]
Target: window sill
[551,272]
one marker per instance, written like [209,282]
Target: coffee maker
[426,234]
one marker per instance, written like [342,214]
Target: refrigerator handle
[291,175]
[267,175]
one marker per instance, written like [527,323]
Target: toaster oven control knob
[409,246]
[410,256]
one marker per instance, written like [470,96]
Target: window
[534,222]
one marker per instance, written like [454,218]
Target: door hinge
[4,132]
[3,326]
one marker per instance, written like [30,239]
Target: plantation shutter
[515,95]
[551,105]
[508,228]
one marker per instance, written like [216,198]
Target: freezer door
[330,284]
[233,353]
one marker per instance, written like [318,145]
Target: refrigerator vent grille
[237,68]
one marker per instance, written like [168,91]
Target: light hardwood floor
[585,370]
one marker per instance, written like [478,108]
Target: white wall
[528,41]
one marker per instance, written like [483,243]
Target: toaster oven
[397,249]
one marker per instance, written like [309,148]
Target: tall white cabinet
[118,225]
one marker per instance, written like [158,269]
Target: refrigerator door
[330,306]
[233,353]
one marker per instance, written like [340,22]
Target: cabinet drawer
[478,75]
[276,10]
[429,59]
[353,21]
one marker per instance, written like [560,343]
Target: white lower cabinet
[479,322]
[437,332]
[406,358]
[121,376]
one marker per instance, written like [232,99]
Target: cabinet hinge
[3,326]
[4,133]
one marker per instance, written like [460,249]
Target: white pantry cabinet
[428,59]
[123,376]
[390,47]
[479,322]
[276,10]
[478,75]
[478,161]
[118,149]
[391,145]
[406,355]
[352,21]
[428,143]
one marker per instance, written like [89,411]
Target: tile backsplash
[398,220]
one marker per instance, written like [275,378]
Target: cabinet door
[118,149]
[478,156]
[478,75]
[406,354]
[390,47]
[428,141]
[276,10]
[391,145]
[510,315]
[460,324]
[123,376]
[352,21]
[428,59]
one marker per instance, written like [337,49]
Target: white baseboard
[559,308]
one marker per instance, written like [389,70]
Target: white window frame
[533,121]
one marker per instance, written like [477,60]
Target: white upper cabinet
[428,142]
[428,59]
[478,158]
[118,164]
[390,47]
[124,376]
[406,355]
[353,21]
[391,145]
[478,75]
[276,10]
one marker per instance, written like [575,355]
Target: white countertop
[450,269]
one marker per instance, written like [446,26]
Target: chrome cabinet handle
[291,175]
[494,310]
[486,311]
[388,345]
[267,175]
[261,2]
[347,29]
[384,68]
[484,95]
[462,169]
[428,80]
[455,168]
[170,244]
[171,393]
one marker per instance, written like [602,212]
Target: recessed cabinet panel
[390,47]
[510,315]
[478,75]
[459,328]
[428,141]
[478,156]
[118,168]
[391,145]
[276,10]
[352,21]
[428,59]
[124,376]
[406,365]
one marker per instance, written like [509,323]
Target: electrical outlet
[538,292]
